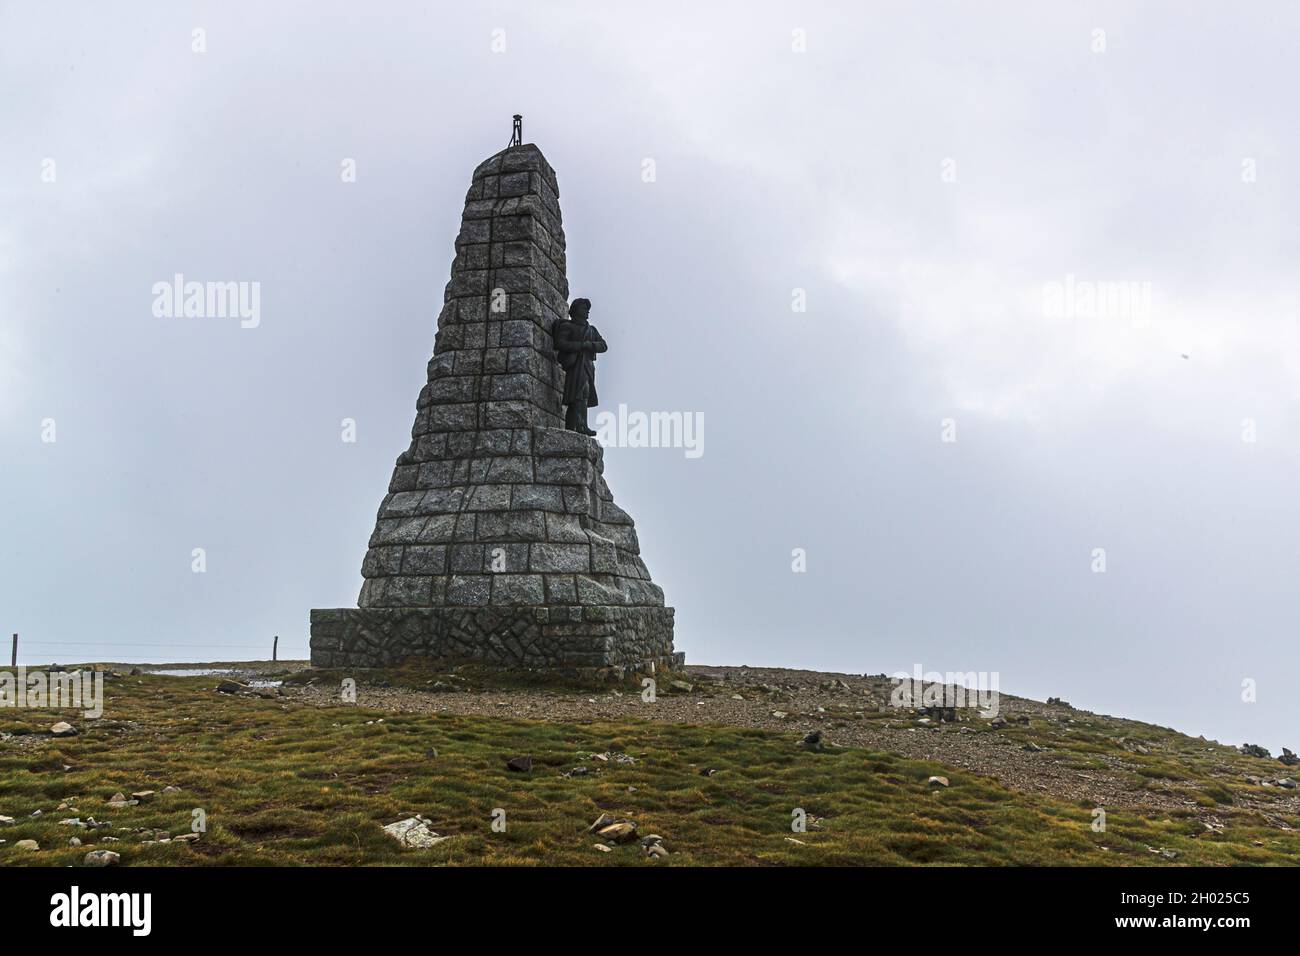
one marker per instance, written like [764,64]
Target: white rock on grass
[414,832]
[102,858]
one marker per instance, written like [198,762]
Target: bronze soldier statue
[578,343]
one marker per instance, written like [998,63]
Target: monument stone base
[499,540]
[577,640]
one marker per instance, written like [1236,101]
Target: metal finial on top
[517,134]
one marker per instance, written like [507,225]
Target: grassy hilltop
[295,777]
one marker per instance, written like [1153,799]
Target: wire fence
[30,649]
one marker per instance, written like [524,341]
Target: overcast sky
[932,176]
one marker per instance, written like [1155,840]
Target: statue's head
[580,309]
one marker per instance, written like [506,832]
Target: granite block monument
[499,540]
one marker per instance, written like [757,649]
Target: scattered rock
[615,756]
[63,729]
[656,851]
[680,686]
[1289,758]
[102,858]
[1056,701]
[231,687]
[780,714]
[170,789]
[946,715]
[602,848]
[1032,747]
[651,839]
[4,819]
[1254,750]
[119,801]
[414,832]
[812,741]
[603,820]
[74,841]
[520,764]
[621,832]
[194,838]
[997,723]
[707,771]
[27,845]
[937,782]
[142,795]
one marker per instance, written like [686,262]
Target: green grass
[287,783]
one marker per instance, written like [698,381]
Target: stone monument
[499,541]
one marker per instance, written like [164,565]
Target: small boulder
[937,782]
[27,845]
[102,858]
[621,832]
[1289,758]
[414,832]
[1254,750]
[520,764]
[812,741]
[63,729]
[231,687]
